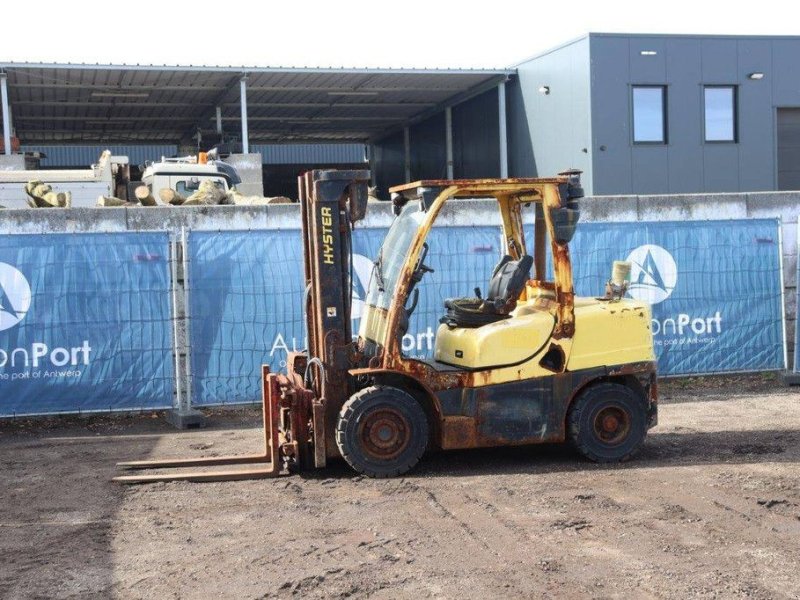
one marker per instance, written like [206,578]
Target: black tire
[608,423]
[382,431]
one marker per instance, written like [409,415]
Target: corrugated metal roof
[272,154]
[122,104]
[319,154]
[83,156]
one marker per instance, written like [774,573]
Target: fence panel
[246,309]
[716,289]
[246,290]
[85,323]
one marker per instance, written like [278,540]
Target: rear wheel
[608,423]
[382,431]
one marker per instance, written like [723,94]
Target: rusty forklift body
[530,364]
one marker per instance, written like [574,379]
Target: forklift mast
[331,203]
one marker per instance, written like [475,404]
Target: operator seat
[508,280]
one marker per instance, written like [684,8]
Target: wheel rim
[611,425]
[384,434]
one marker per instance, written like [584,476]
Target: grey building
[646,114]
[639,114]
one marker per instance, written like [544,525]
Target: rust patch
[459,432]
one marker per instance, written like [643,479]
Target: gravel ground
[709,509]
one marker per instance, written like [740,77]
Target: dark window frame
[664,114]
[735,90]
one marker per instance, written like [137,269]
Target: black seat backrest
[509,278]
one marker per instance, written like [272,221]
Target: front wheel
[608,423]
[382,431]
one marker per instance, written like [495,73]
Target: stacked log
[172,197]
[237,199]
[41,195]
[113,201]
[144,196]
[207,194]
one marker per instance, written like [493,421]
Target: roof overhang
[80,103]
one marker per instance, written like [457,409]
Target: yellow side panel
[610,333]
[505,342]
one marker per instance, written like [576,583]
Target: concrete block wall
[782,205]
[250,171]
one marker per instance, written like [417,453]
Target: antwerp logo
[15,296]
[653,274]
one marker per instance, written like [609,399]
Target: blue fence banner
[246,293]
[85,323]
[715,289]
[246,299]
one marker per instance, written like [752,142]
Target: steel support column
[448,139]
[501,104]
[219,119]
[243,101]
[407,153]
[6,113]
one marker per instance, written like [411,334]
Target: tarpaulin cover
[85,323]
[715,288]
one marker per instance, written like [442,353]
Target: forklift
[527,362]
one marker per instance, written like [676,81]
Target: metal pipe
[448,139]
[187,282]
[243,102]
[178,343]
[501,104]
[407,153]
[6,113]
[219,119]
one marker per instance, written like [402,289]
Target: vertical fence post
[448,140]
[188,318]
[6,113]
[183,416]
[503,127]
[407,154]
[243,103]
[177,345]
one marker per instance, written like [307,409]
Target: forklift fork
[266,464]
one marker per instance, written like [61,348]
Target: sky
[351,33]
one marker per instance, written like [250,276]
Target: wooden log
[144,196]
[108,201]
[169,196]
[207,194]
[41,195]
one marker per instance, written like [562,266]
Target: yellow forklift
[525,363]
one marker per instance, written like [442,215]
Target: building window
[720,113]
[649,114]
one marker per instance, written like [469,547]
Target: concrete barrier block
[609,208]
[790,270]
[791,333]
[790,302]
[764,205]
[789,238]
[379,214]
[62,220]
[697,207]
[204,218]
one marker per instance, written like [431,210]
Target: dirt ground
[710,508]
